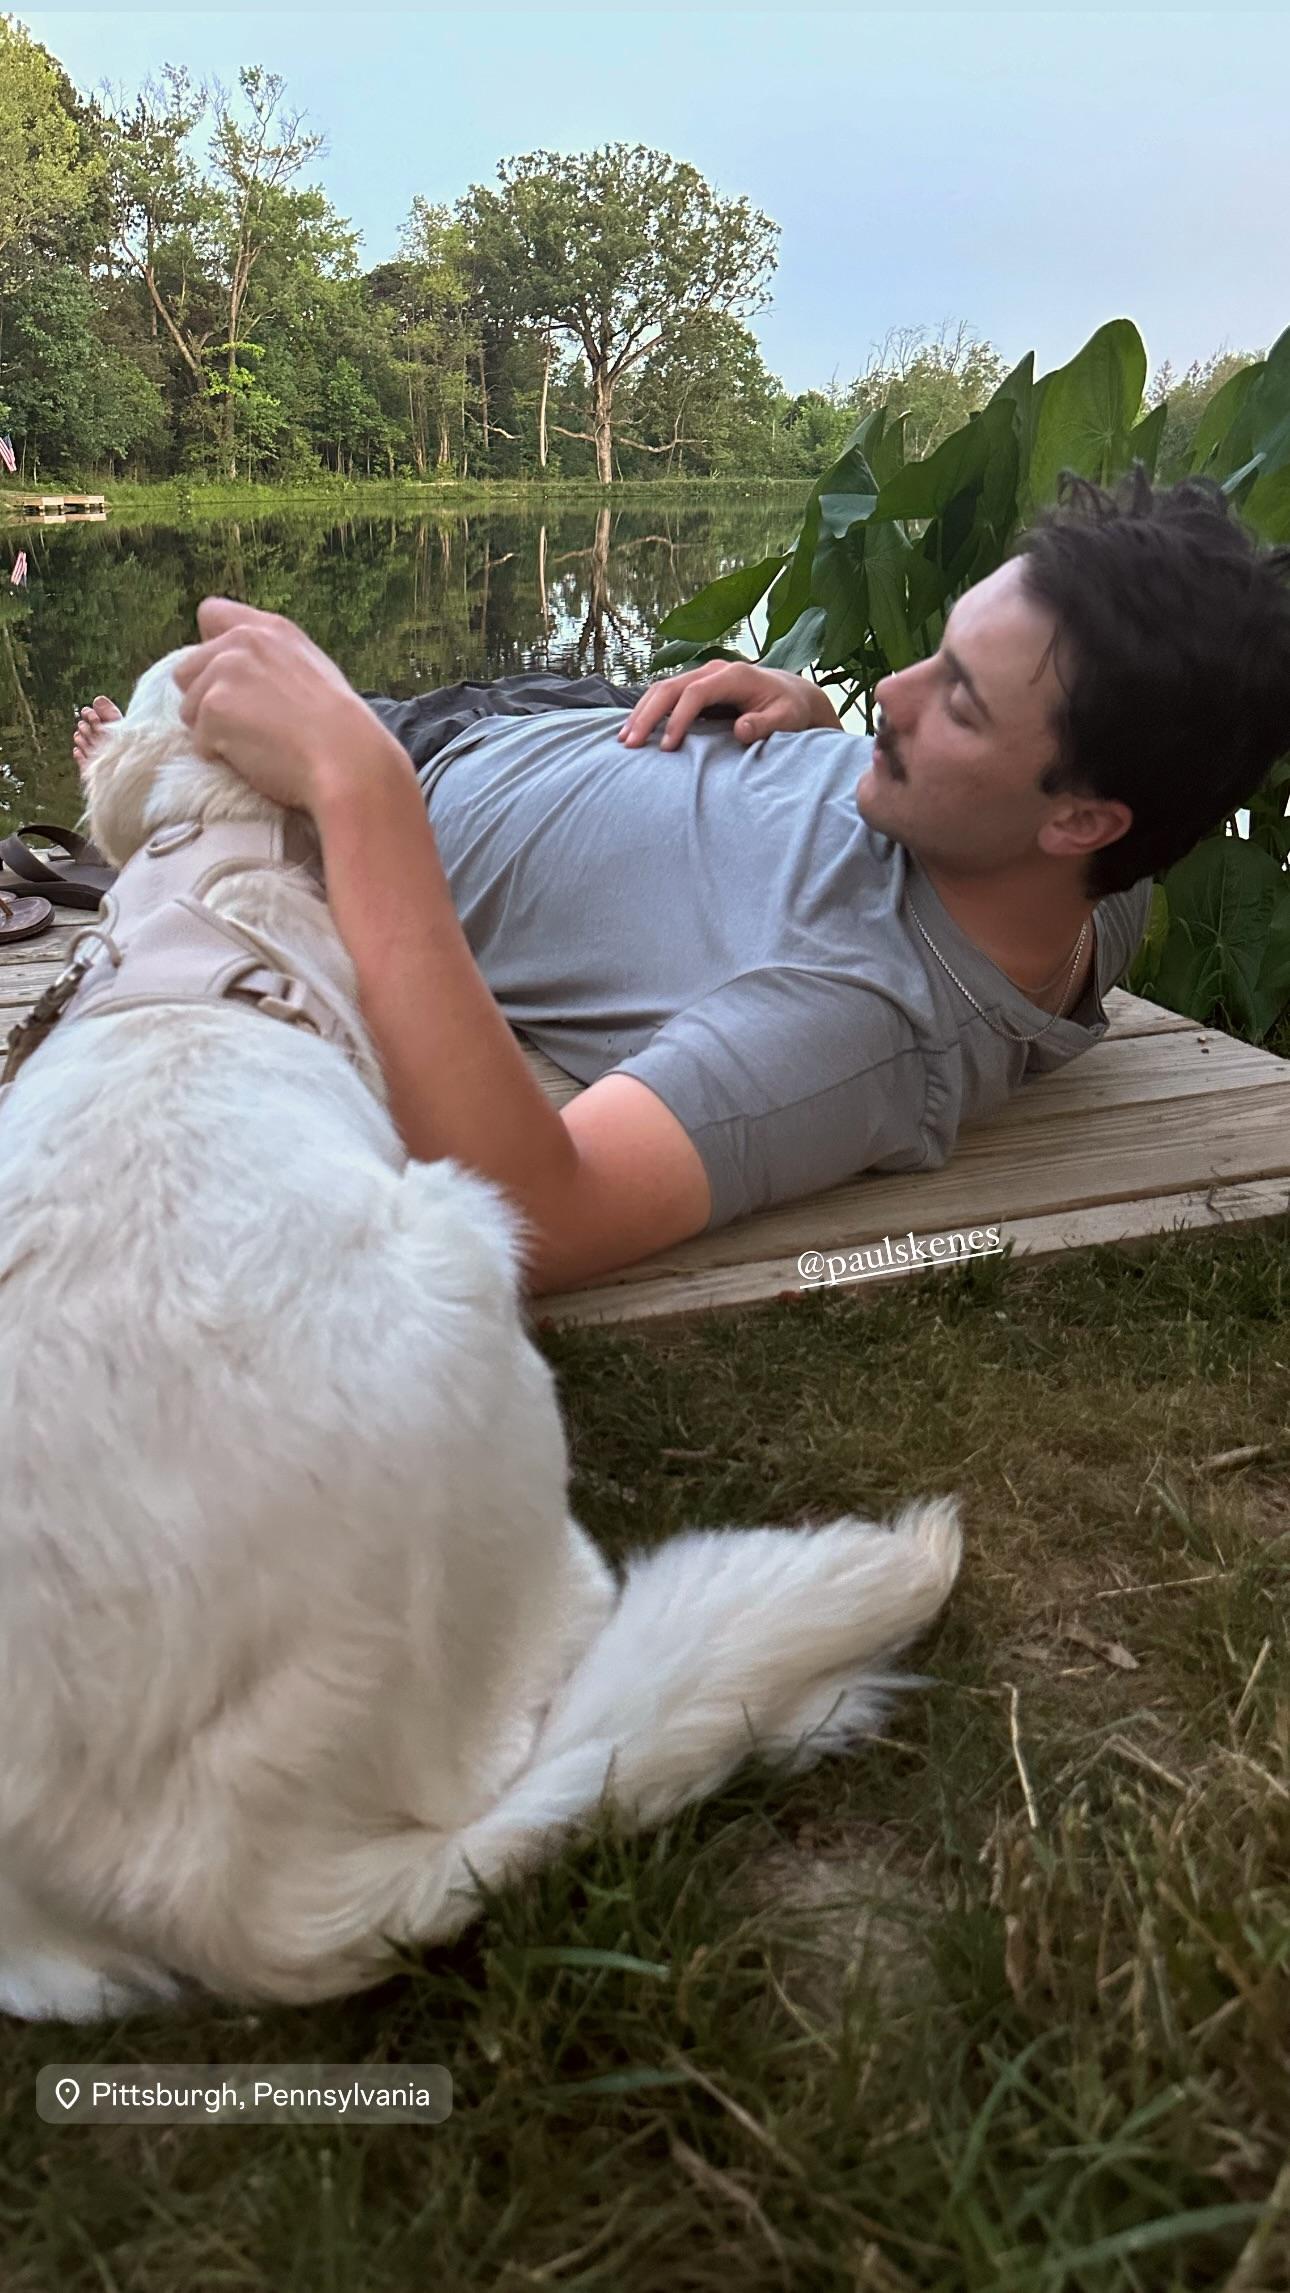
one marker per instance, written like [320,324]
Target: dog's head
[144,773]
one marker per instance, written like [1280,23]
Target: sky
[1032,175]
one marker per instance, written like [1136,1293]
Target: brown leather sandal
[79,881]
[22,919]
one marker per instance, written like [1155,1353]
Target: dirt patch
[836,1907]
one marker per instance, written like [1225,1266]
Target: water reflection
[403,603]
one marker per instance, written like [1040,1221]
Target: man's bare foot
[89,727]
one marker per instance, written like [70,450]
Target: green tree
[810,432]
[1187,396]
[256,159]
[704,401]
[46,175]
[427,297]
[72,399]
[613,249]
[213,251]
[162,214]
[935,385]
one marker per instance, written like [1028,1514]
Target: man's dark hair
[1173,651]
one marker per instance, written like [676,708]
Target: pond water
[403,602]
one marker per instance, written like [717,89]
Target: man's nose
[888,701]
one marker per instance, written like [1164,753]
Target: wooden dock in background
[59,509]
[1162,1126]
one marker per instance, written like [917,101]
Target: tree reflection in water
[402,602]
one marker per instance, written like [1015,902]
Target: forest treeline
[178,297]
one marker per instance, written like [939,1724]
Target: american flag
[18,578]
[8,457]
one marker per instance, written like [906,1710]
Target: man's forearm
[458,1081]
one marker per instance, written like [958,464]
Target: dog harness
[157,942]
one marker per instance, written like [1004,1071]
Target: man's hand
[263,698]
[769,700]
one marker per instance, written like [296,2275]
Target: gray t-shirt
[718,921]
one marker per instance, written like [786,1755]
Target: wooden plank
[674,1299]
[21,983]
[1135,1069]
[559,1087]
[1133,1015]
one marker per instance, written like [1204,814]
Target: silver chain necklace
[1011,1034]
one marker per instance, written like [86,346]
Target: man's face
[967,733]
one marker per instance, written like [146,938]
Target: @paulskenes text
[820,1269]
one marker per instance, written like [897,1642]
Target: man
[772,974]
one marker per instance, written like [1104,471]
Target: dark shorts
[425,724]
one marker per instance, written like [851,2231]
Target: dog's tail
[723,1643]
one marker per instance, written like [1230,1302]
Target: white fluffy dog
[297,1636]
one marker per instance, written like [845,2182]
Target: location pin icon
[67,2093]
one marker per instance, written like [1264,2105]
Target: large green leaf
[725,604]
[1218,420]
[1267,809]
[1263,427]
[838,584]
[1269,406]
[1001,483]
[1272,987]
[927,595]
[882,442]
[1145,437]
[684,653]
[868,434]
[1255,442]
[1026,395]
[849,475]
[1241,480]
[796,649]
[1266,507]
[887,560]
[1188,976]
[1222,899]
[792,592]
[839,512]
[1088,408]
[922,489]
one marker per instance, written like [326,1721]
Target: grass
[195,498]
[1002,2002]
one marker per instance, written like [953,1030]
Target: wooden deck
[56,509]
[1162,1125]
